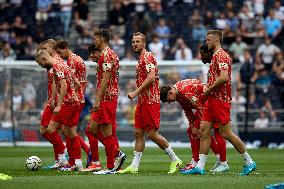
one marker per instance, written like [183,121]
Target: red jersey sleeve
[150,62]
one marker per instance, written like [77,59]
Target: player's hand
[194,131]
[132,95]
[207,92]
[57,110]
[96,107]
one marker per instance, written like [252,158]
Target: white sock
[247,158]
[194,163]
[224,162]
[62,158]
[217,157]
[171,154]
[78,163]
[136,159]
[65,151]
[202,160]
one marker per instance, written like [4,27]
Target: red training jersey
[190,96]
[108,61]
[147,63]
[62,71]
[220,61]
[78,68]
[50,80]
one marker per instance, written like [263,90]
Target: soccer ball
[33,163]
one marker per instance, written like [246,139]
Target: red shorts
[147,116]
[106,113]
[68,115]
[46,116]
[216,111]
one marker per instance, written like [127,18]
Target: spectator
[261,122]
[128,55]
[7,54]
[43,7]
[183,52]
[156,47]
[29,95]
[17,99]
[262,81]
[273,121]
[163,31]
[232,21]
[238,47]
[19,26]
[142,23]
[267,107]
[246,16]
[66,7]
[279,10]
[272,24]
[198,32]
[239,101]
[209,20]
[118,45]
[246,71]
[81,16]
[117,16]
[221,21]
[30,48]
[267,52]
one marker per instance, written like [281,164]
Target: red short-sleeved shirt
[220,61]
[62,71]
[78,68]
[147,63]
[108,61]
[190,96]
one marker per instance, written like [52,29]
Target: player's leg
[106,130]
[139,134]
[215,150]
[94,164]
[226,132]
[74,148]
[164,145]
[194,143]
[205,130]
[55,139]
[221,144]
[120,157]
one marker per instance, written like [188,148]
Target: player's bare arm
[102,90]
[53,95]
[62,93]
[146,83]
[77,84]
[224,77]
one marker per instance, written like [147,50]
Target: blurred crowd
[253,35]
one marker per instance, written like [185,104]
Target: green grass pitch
[152,173]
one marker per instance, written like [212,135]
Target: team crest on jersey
[60,74]
[223,66]
[106,66]
[150,66]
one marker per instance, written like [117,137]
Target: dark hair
[216,33]
[92,48]
[164,93]
[104,33]
[61,44]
